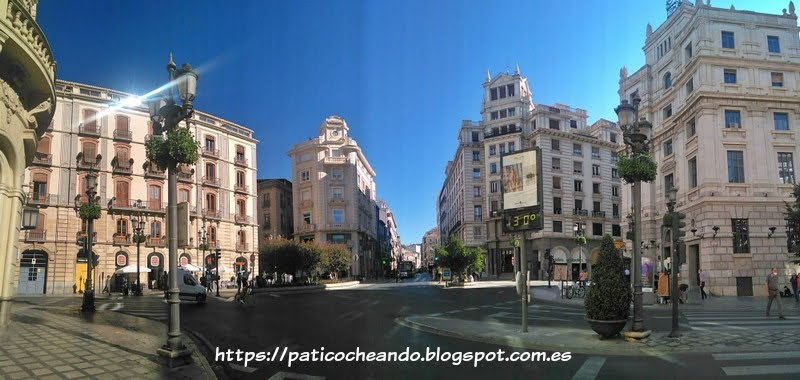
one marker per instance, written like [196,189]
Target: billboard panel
[520,173]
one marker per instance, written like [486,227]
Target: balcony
[211,181]
[334,160]
[210,152]
[615,216]
[598,214]
[304,227]
[121,239]
[241,188]
[557,211]
[155,241]
[122,166]
[35,236]
[500,132]
[155,205]
[580,212]
[89,129]
[123,135]
[153,171]
[213,244]
[241,247]
[241,219]
[185,176]
[90,163]
[38,199]
[42,159]
[214,214]
[240,161]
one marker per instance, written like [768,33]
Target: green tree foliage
[335,258]
[460,259]
[609,296]
[793,224]
[286,256]
[640,167]
[179,147]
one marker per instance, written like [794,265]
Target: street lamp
[671,196]
[166,115]
[634,133]
[91,212]
[139,237]
[216,262]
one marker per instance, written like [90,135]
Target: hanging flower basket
[138,238]
[89,211]
[203,247]
[514,242]
[640,167]
[179,147]
[580,240]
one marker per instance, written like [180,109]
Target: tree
[609,296]
[335,258]
[459,258]
[793,224]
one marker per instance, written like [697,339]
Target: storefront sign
[122,260]
[155,261]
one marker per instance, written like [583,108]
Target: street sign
[619,244]
[446,275]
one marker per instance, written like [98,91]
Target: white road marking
[103,306]
[762,370]
[757,355]
[274,295]
[590,368]
[118,306]
[242,368]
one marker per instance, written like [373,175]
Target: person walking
[793,282]
[703,279]
[797,293]
[773,292]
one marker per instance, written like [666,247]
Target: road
[366,317]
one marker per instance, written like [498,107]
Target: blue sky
[403,74]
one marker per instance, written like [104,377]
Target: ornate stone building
[722,89]
[275,209]
[27,90]
[220,191]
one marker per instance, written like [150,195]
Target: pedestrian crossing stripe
[755,370]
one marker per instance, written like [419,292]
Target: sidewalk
[53,343]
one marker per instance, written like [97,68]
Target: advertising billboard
[520,174]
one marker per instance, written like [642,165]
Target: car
[189,289]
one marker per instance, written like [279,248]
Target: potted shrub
[608,299]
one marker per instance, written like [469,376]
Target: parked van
[188,287]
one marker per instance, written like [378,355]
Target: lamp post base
[174,357]
[88,302]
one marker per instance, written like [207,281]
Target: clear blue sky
[403,74]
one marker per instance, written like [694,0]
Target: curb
[201,359]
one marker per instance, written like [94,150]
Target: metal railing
[210,152]
[242,218]
[211,181]
[123,135]
[241,161]
[89,129]
[241,188]
[36,236]
[42,158]
[581,212]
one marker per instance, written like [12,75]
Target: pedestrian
[627,275]
[105,289]
[582,278]
[703,279]
[793,282]
[798,288]
[773,292]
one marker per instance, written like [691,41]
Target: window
[729,75]
[556,164]
[693,172]
[89,150]
[578,185]
[613,156]
[557,182]
[476,136]
[305,195]
[241,207]
[492,150]
[595,188]
[595,169]
[741,238]
[615,210]
[512,146]
[735,166]
[615,191]
[502,91]
[733,119]
[597,229]
[577,149]
[668,147]
[595,153]
[478,213]
[239,153]
[477,231]
[211,202]
[614,173]
[689,85]
[307,218]
[211,171]
[239,178]
[578,204]
[781,121]
[667,111]
[155,228]
[555,145]
[476,155]
[727,40]
[616,230]
[667,80]
[596,207]
[493,93]
[493,168]
[337,215]
[494,185]
[305,175]
[688,51]
[613,137]
[577,167]
[503,114]
[669,181]
[773,44]
[573,124]
[337,193]
[122,194]
[494,115]
[777,79]
[476,173]
[122,227]
[510,88]
[209,143]
[556,205]
[494,205]
[154,197]
[511,112]
[336,173]
[786,168]
[691,130]
[554,124]
[183,195]
[476,191]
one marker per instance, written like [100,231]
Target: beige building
[27,91]
[94,120]
[387,216]
[333,192]
[722,89]
[429,243]
[275,209]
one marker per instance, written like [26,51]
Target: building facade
[275,209]
[101,123]
[27,91]
[333,192]
[429,243]
[721,87]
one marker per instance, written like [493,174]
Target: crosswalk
[759,363]
[743,319]
[151,307]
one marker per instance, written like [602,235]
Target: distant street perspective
[414,190]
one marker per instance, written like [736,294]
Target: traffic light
[678,225]
[383,261]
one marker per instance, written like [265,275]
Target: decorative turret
[488,76]
[623,73]
[649,30]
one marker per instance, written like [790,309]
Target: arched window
[122,194]
[90,120]
[89,150]
[39,185]
[242,237]
[241,207]
[239,153]
[211,202]
[155,228]
[154,197]
[122,126]
[239,178]
[210,143]
[212,235]
[183,195]
[122,227]
[211,170]
[667,80]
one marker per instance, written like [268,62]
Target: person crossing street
[773,292]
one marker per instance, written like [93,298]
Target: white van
[188,287]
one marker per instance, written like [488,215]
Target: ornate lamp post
[88,212]
[671,196]
[634,134]
[166,115]
[217,257]
[204,247]
[138,238]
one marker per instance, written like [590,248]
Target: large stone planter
[607,329]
